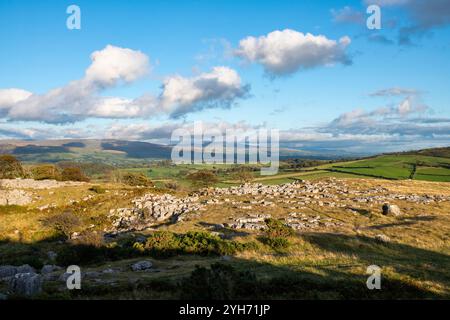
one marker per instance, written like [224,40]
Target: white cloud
[9,97]
[220,87]
[112,66]
[285,52]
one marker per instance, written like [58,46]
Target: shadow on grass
[238,278]
[404,222]
[417,263]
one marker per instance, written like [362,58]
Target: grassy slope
[323,260]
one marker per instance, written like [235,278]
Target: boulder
[382,238]
[49,268]
[391,210]
[142,265]
[25,284]
[7,271]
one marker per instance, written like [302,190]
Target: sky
[137,70]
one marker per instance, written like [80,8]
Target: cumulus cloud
[218,88]
[287,51]
[113,64]
[77,99]
[110,67]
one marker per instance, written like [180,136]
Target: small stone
[141,265]
[382,238]
[391,210]
[49,269]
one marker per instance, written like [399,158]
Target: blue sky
[376,92]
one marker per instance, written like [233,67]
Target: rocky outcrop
[36,184]
[150,209]
[15,197]
[25,284]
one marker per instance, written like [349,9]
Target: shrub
[276,228]
[64,223]
[243,175]
[90,238]
[73,174]
[163,243]
[131,179]
[277,234]
[202,178]
[10,167]
[46,171]
[172,185]
[276,243]
[97,189]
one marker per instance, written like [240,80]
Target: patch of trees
[202,178]
[10,167]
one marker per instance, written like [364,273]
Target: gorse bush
[277,235]
[131,178]
[97,189]
[90,248]
[10,167]
[276,228]
[202,178]
[44,172]
[73,174]
[166,243]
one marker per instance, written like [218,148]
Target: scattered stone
[142,265]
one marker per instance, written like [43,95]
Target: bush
[277,234]
[10,167]
[202,178]
[73,174]
[276,228]
[64,223]
[276,243]
[90,238]
[44,172]
[131,179]
[97,189]
[243,175]
[172,185]
[164,243]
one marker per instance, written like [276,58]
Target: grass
[398,167]
[325,263]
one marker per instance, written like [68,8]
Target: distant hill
[434,152]
[89,150]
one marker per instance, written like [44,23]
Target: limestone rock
[142,265]
[25,284]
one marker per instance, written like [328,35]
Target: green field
[398,167]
